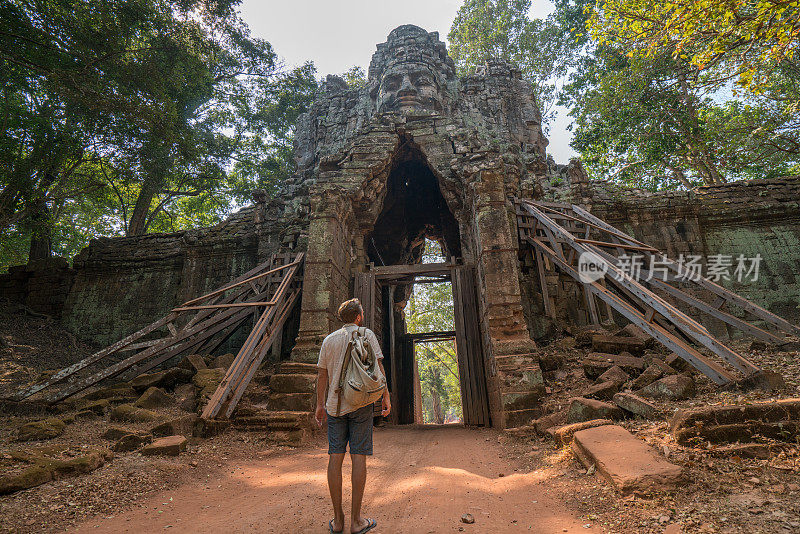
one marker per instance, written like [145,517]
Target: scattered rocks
[582,409]
[627,462]
[597,363]
[154,398]
[636,405]
[130,413]
[29,478]
[678,363]
[224,361]
[41,430]
[187,425]
[614,374]
[131,442]
[634,331]
[115,432]
[114,394]
[163,379]
[167,446]
[727,424]
[603,390]
[650,375]
[468,519]
[548,421]
[47,464]
[672,387]
[186,397]
[617,344]
[193,363]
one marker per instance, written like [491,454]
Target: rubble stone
[154,398]
[167,446]
[617,344]
[193,363]
[625,461]
[224,361]
[672,387]
[635,405]
[186,397]
[728,424]
[581,409]
[614,374]
[41,430]
[597,363]
[564,434]
[130,413]
[602,390]
[648,376]
[131,442]
[186,425]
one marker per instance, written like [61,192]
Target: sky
[338,34]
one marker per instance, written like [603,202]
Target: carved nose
[407,88]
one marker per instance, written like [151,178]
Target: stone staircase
[288,415]
[521,388]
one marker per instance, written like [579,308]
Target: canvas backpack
[361,381]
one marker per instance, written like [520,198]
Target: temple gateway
[420,153]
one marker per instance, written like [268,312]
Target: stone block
[727,424]
[112,393]
[564,434]
[542,424]
[617,344]
[293,383]
[634,331]
[648,376]
[113,433]
[678,363]
[603,390]
[28,478]
[597,363]
[224,361]
[193,363]
[628,463]
[186,425]
[292,402]
[635,405]
[162,379]
[582,409]
[520,418]
[41,430]
[207,381]
[132,414]
[614,374]
[131,442]
[154,398]
[672,387]
[186,397]
[167,446]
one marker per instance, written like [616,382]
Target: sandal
[371,523]
[330,528]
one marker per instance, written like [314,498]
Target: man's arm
[322,395]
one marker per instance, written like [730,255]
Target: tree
[167,111]
[747,39]
[501,29]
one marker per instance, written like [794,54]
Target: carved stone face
[409,86]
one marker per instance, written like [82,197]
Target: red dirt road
[421,480]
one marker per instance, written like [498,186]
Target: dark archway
[413,209]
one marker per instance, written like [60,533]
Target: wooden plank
[97,356]
[729,296]
[697,360]
[469,289]
[392,271]
[220,306]
[549,309]
[675,316]
[240,363]
[462,351]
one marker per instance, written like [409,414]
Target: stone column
[326,279]
[514,378]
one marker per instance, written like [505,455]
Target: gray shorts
[355,428]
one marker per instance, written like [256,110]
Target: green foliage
[657,121]
[746,39]
[501,29]
[127,116]
[355,77]
[430,309]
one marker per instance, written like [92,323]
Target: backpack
[361,381]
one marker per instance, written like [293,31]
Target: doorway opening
[430,322]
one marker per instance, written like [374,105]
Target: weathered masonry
[418,153]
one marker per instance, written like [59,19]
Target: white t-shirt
[331,356]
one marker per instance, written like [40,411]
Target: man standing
[353,423]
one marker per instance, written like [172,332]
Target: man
[353,424]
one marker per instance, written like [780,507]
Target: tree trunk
[138,223]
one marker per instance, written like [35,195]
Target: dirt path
[420,480]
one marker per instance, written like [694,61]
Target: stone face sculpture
[411,72]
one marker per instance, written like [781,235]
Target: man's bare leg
[359,480]
[335,488]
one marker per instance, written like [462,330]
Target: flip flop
[330,527]
[371,524]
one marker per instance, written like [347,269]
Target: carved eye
[392,83]
[424,79]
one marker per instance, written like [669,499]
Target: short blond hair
[349,310]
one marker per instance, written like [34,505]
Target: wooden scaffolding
[267,294]
[559,235]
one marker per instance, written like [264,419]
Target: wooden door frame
[469,349]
